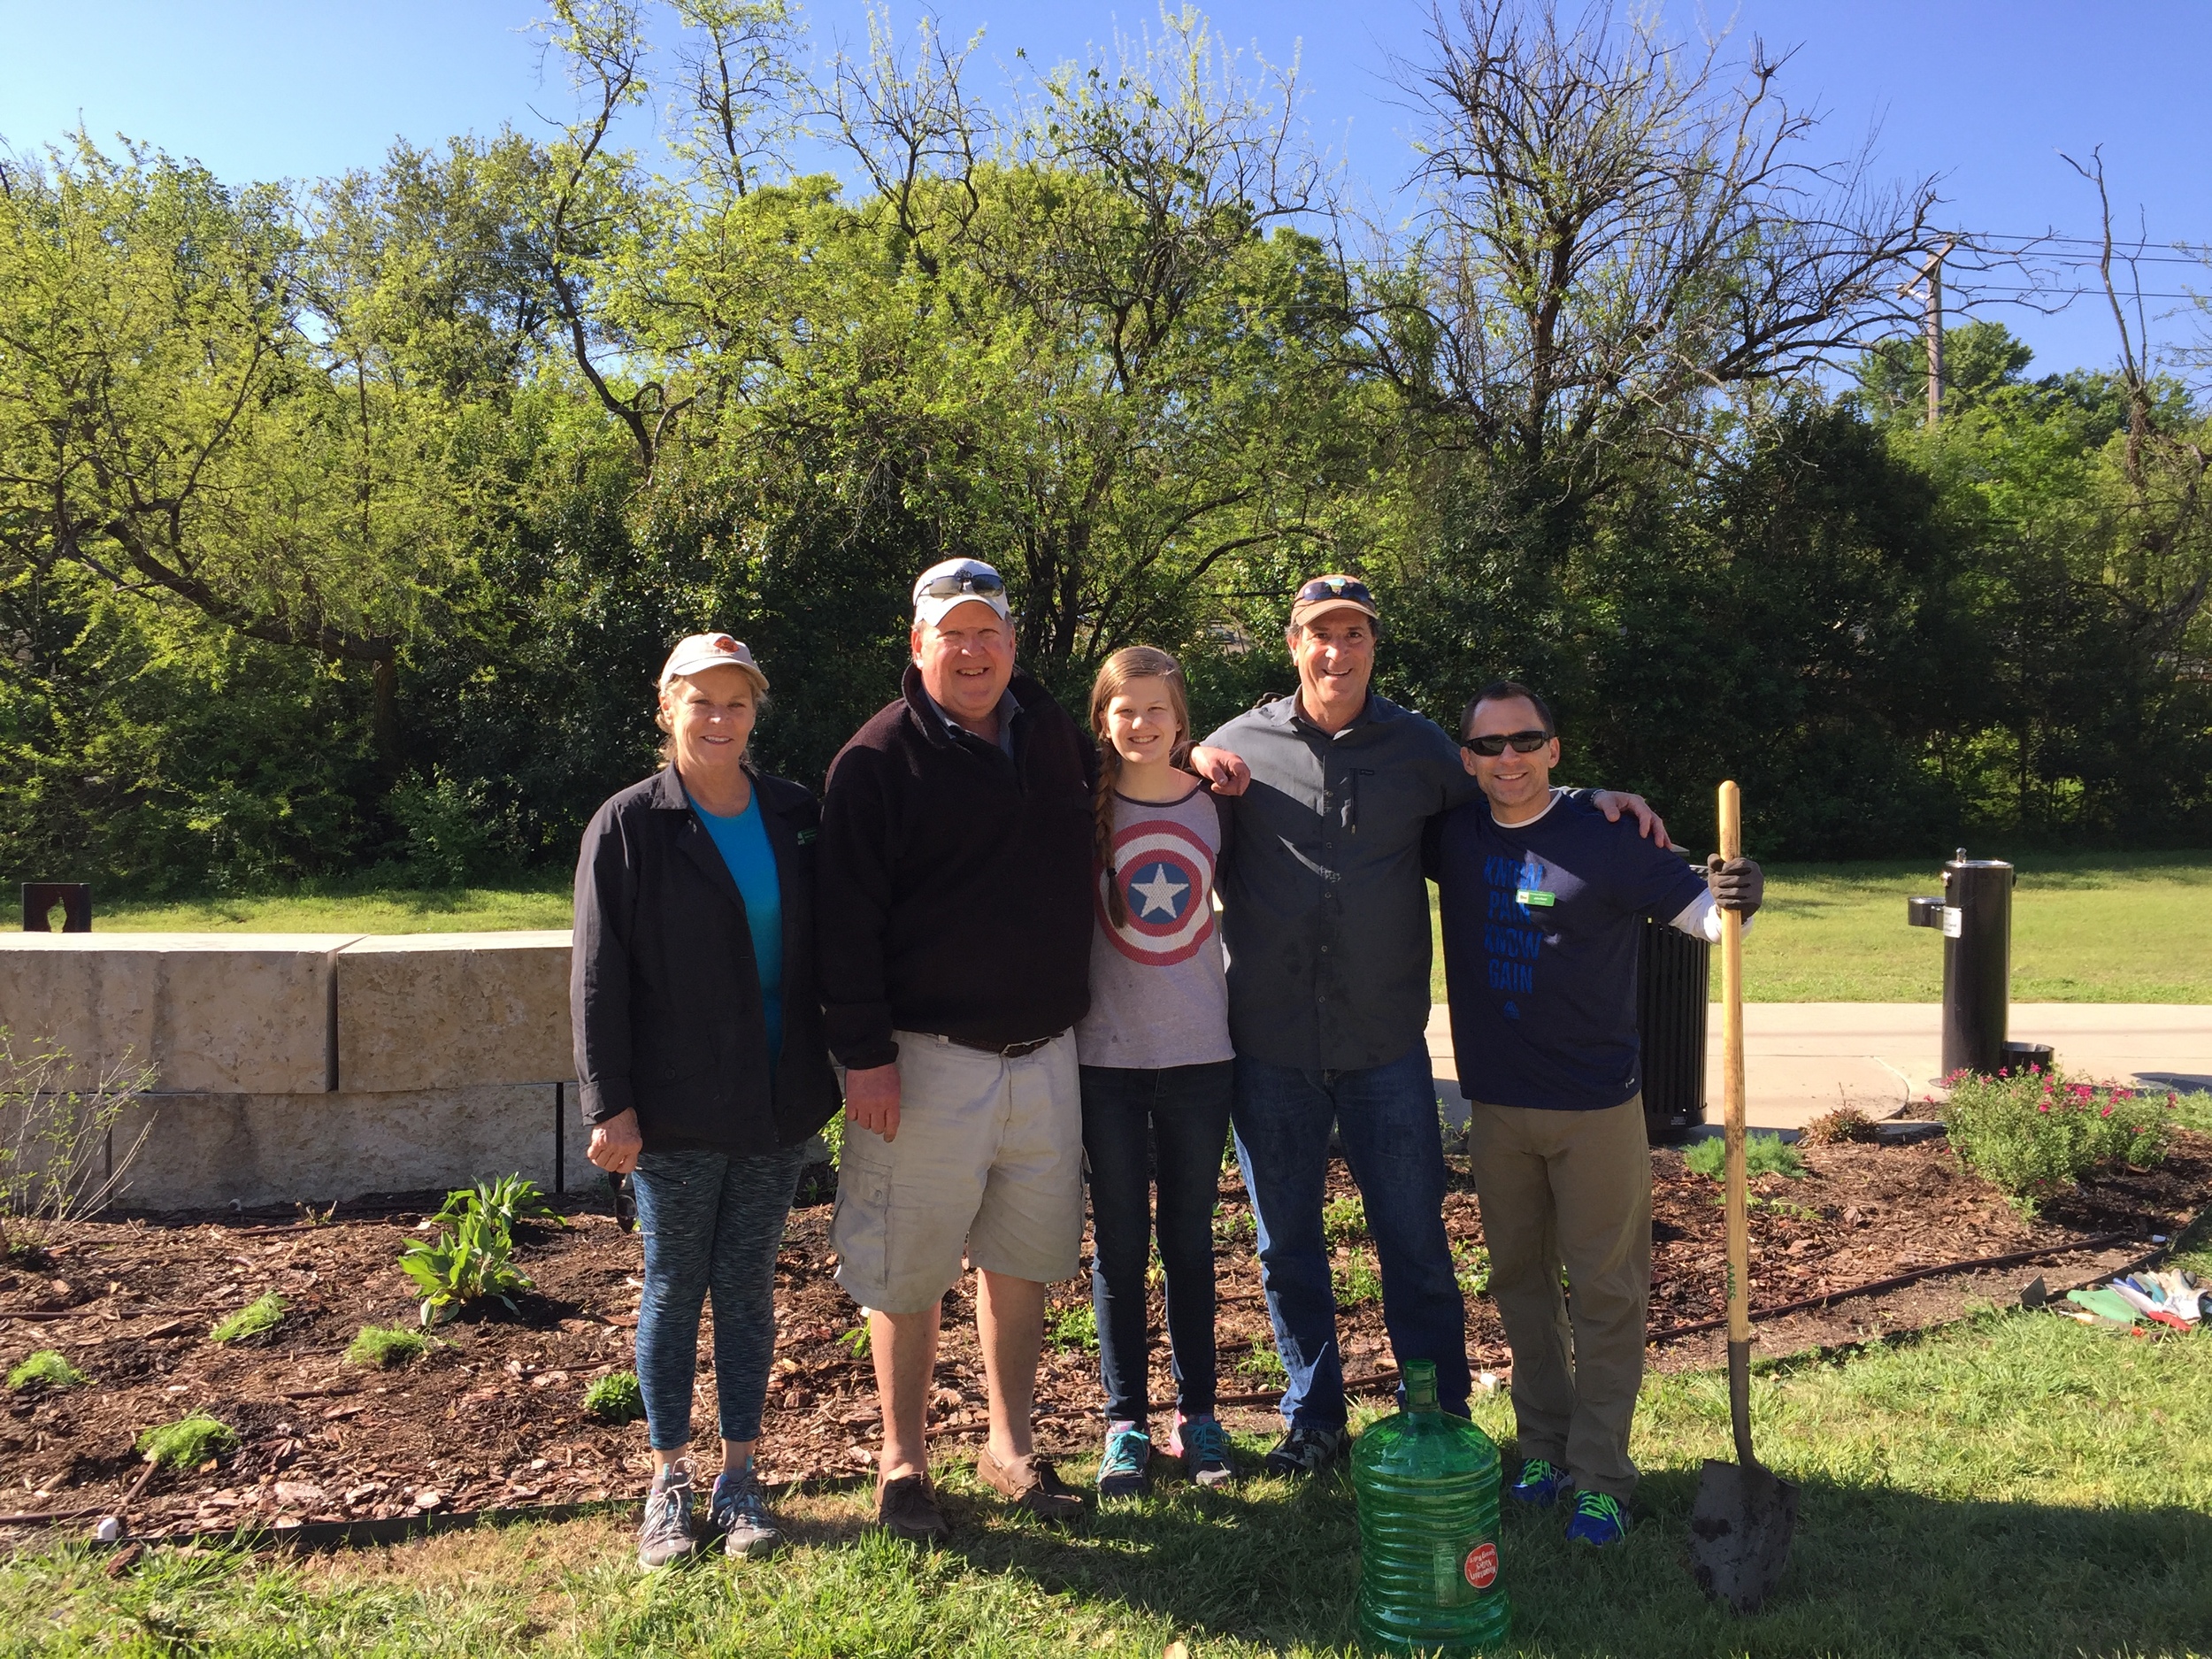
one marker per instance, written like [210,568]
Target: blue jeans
[1176,1120]
[711,1221]
[1386,1116]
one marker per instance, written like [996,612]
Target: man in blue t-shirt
[1542,902]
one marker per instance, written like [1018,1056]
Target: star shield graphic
[1166,877]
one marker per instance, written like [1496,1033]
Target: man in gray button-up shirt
[1326,919]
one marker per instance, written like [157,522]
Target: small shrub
[257,1317]
[469,1260]
[616,1398]
[2037,1134]
[1264,1365]
[1470,1265]
[1344,1219]
[188,1442]
[1844,1126]
[1075,1330]
[385,1346]
[511,1199]
[46,1368]
[833,1137]
[1762,1154]
[1357,1279]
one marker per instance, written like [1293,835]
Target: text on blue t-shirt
[1541,927]
[742,840]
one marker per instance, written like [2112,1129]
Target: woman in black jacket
[702,1065]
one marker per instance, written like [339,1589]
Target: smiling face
[710,715]
[1515,784]
[966,659]
[1335,655]
[1141,722]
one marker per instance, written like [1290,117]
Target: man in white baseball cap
[698,651]
[943,587]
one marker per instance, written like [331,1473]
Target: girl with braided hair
[1157,1069]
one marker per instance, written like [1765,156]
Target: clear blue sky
[1983,92]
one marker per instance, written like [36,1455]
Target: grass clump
[255,1319]
[1075,1330]
[188,1442]
[1762,1154]
[1265,1366]
[385,1346]
[614,1398]
[46,1368]
[2039,1133]
[1358,1279]
[1344,1219]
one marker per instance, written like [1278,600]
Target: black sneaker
[1307,1451]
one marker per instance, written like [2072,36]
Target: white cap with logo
[708,650]
[940,588]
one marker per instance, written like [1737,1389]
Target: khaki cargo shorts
[989,1158]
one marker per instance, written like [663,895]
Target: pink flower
[2044,1107]
[2107,1112]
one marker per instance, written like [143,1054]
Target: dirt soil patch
[493,1416]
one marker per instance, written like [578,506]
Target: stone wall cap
[126,944]
[519,939]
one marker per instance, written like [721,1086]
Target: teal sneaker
[1599,1519]
[1122,1471]
[738,1509]
[1541,1484]
[1203,1446]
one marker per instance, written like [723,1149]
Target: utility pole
[1931,273]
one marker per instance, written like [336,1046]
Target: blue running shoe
[1541,1484]
[1599,1519]
[1121,1472]
[1203,1446]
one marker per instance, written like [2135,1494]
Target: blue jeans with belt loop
[711,1221]
[1386,1117]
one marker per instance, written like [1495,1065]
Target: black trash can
[1673,1006]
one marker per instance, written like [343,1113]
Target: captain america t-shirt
[1541,923]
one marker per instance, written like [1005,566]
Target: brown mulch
[492,1417]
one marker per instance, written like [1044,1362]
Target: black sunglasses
[1523,742]
[985,583]
[1334,587]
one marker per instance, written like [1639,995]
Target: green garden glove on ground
[2105,1304]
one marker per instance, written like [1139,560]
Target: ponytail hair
[1133,662]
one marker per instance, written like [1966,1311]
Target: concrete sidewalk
[1801,1059]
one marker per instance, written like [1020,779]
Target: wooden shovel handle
[1732,1081]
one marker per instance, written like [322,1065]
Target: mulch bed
[492,1417]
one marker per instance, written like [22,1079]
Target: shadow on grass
[1874,1570]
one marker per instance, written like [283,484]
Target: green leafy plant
[511,1198]
[1470,1266]
[1232,1229]
[1263,1364]
[468,1260]
[257,1317]
[188,1442]
[2035,1134]
[1762,1154]
[1344,1219]
[855,1341]
[46,1368]
[385,1346]
[1075,1330]
[1358,1279]
[614,1398]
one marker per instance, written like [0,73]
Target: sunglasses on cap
[1334,587]
[983,584]
[1523,742]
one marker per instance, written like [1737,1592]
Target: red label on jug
[1482,1566]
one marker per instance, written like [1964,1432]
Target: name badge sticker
[1536,896]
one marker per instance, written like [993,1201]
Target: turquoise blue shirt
[742,840]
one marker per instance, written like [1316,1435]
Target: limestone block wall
[313,1067]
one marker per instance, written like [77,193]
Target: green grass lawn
[2106,927]
[2014,1486]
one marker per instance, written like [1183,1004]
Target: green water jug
[1427,1486]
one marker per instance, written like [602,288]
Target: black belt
[1009,1051]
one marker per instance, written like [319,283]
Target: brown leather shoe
[906,1508]
[1030,1483]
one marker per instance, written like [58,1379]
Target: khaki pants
[1570,1188]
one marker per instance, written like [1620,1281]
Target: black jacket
[954,885]
[663,989]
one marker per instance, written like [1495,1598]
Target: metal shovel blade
[1740,1531]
